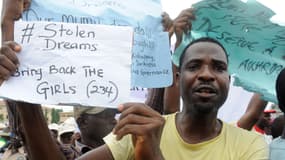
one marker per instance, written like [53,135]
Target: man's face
[54,133]
[65,138]
[100,124]
[204,78]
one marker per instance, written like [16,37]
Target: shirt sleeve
[259,150]
[122,149]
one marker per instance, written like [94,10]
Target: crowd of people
[156,129]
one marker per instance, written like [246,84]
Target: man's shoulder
[278,143]
[237,131]
[169,116]
[169,120]
[249,144]
[247,141]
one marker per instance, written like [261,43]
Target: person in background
[76,137]
[94,124]
[65,143]
[4,141]
[263,125]
[65,133]
[256,118]
[277,126]
[254,111]
[277,146]
[54,130]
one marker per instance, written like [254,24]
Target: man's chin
[206,107]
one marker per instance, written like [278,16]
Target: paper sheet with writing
[255,45]
[151,66]
[63,63]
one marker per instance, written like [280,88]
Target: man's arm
[102,153]
[37,138]
[12,11]
[181,24]
[145,125]
[155,96]
[155,99]
[253,112]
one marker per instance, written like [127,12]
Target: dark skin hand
[167,24]
[145,125]
[182,24]
[8,59]
[12,11]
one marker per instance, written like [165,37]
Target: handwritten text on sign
[71,63]
[151,66]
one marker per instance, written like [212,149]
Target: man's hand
[167,24]
[145,125]
[8,59]
[182,24]
[12,11]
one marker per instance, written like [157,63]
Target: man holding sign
[196,132]
[193,133]
[145,134]
[142,133]
[32,113]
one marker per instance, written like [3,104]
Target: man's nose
[206,74]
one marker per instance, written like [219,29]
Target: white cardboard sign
[64,63]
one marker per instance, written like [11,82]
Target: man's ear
[177,77]
[81,122]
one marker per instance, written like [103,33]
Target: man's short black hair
[203,39]
[280,90]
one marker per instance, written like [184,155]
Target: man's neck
[90,142]
[195,129]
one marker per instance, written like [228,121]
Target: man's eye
[220,68]
[192,67]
